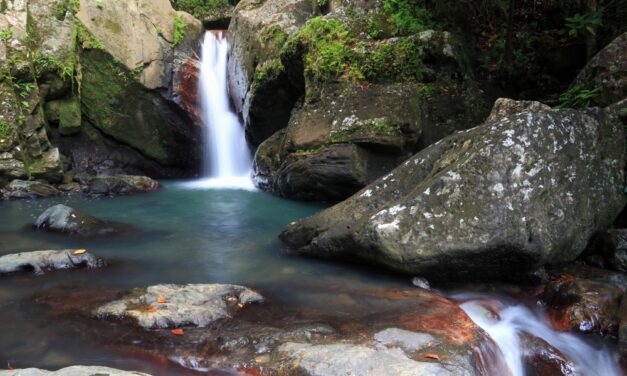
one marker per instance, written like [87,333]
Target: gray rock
[421,282]
[41,261]
[61,218]
[72,371]
[187,305]
[120,185]
[347,359]
[408,341]
[17,189]
[11,168]
[607,71]
[499,199]
[504,107]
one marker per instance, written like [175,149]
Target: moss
[267,72]
[393,60]
[408,16]
[114,102]
[113,26]
[273,37]
[69,116]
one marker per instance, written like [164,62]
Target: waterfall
[227,159]
[506,326]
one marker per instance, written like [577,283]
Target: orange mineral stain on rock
[448,321]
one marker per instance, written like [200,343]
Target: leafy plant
[579,97]
[179,31]
[581,24]
[200,8]
[408,16]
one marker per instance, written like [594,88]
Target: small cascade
[507,327]
[227,159]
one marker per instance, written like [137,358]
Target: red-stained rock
[187,88]
[584,299]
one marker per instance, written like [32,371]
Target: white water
[505,327]
[227,159]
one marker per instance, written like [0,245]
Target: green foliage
[409,16]
[7,131]
[393,60]
[267,72]
[99,5]
[64,6]
[579,97]
[584,24]
[179,31]
[200,8]
[86,39]
[273,36]
[327,44]
[6,34]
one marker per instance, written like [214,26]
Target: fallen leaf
[432,356]
[151,309]
[178,332]
[161,299]
[240,305]
[79,251]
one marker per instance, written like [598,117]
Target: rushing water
[512,320]
[227,159]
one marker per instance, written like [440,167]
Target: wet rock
[608,249]
[410,342]
[64,219]
[531,175]
[345,359]
[72,371]
[186,305]
[18,189]
[607,72]
[40,261]
[622,328]
[542,359]
[584,299]
[420,282]
[120,185]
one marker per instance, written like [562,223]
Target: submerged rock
[72,371]
[184,305]
[61,218]
[496,200]
[41,261]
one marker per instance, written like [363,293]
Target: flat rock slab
[170,306]
[72,371]
[64,219]
[41,261]
[348,359]
[405,339]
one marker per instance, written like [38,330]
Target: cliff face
[98,88]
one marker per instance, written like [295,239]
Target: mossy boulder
[66,113]
[385,93]
[258,32]
[500,199]
[115,103]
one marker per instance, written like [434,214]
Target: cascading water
[227,159]
[507,326]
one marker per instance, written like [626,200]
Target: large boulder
[606,73]
[258,31]
[40,261]
[496,200]
[380,97]
[20,189]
